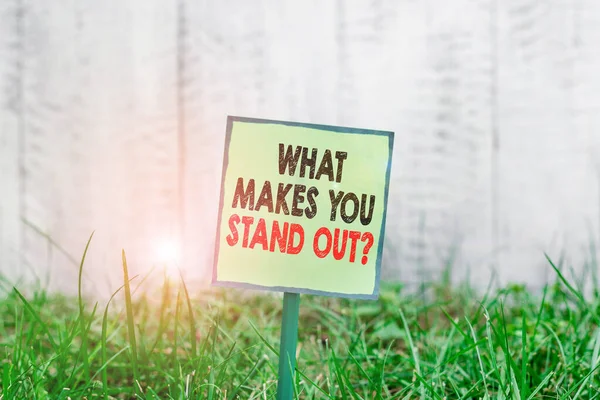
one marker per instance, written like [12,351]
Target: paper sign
[302,208]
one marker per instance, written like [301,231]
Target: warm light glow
[168,254]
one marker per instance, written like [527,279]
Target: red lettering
[338,253]
[247,221]
[260,235]
[233,238]
[318,252]
[354,236]
[279,237]
[295,229]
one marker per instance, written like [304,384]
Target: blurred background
[112,119]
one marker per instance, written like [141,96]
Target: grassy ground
[442,343]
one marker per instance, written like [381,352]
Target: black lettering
[243,197]
[326,166]
[308,162]
[349,218]
[289,159]
[366,219]
[311,211]
[340,156]
[335,201]
[281,204]
[298,199]
[265,198]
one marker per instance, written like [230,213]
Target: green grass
[173,343]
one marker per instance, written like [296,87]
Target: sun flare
[168,255]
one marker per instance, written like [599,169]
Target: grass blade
[130,320]
[36,316]
[103,353]
[191,316]
[481,369]
[524,358]
[541,385]
[83,333]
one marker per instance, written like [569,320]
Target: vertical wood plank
[583,85]
[11,42]
[135,161]
[49,104]
[152,153]
[438,104]
[549,201]
[112,157]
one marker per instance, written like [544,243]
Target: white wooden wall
[112,118]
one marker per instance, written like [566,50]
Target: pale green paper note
[254,154]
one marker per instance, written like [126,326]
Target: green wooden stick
[287,348]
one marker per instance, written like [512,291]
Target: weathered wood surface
[10,145]
[112,119]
